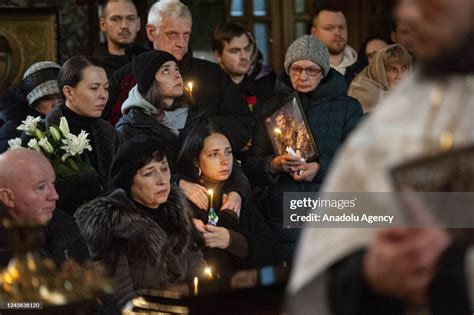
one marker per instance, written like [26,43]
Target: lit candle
[211,194]
[190,87]
[208,272]
[196,285]
[278,131]
[212,218]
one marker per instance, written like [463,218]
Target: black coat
[13,109]
[331,114]
[83,187]
[136,122]
[140,250]
[62,240]
[110,62]
[350,294]
[262,243]
[213,91]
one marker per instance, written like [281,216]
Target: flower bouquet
[76,180]
[63,149]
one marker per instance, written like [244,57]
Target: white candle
[211,194]
[196,285]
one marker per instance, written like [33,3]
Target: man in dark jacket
[330,26]
[120,23]
[27,193]
[169,28]
[233,46]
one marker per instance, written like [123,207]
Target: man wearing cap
[331,115]
[36,95]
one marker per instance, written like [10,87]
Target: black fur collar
[112,226]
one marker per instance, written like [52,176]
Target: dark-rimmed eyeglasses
[310,71]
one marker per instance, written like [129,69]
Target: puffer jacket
[331,116]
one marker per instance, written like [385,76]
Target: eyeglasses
[310,71]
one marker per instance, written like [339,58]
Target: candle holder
[30,278]
[208,282]
[212,217]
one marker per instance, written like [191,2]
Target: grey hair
[172,8]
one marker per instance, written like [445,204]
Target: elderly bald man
[27,192]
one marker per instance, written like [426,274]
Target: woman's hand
[232,201]
[216,237]
[305,172]
[284,163]
[199,225]
[196,193]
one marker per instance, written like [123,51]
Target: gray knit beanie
[308,47]
[40,80]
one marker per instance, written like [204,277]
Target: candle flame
[196,283]
[208,272]
[278,131]
[190,86]
[210,192]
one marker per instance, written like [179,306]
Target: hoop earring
[199,171]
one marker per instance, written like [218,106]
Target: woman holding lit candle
[205,157]
[143,232]
[331,116]
[157,107]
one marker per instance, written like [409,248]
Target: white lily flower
[14,143]
[29,124]
[64,126]
[65,156]
[44,143]
[75,145]
[54,133]
[33,144]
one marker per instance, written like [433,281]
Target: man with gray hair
[169,29]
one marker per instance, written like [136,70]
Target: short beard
[338,51]
[457,60]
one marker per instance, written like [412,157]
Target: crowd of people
[184,173]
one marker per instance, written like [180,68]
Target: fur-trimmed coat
[141,249]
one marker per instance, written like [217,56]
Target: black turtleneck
[151,211]
[77,123]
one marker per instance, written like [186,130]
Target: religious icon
[290,133]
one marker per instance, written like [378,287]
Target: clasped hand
[197,194]
[298,170]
